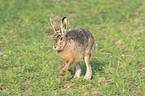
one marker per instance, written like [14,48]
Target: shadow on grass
[95,65]
[98,66]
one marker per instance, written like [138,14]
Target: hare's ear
[63,25]
[54,25]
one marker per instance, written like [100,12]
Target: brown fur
[68,55]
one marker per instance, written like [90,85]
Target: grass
[29,65]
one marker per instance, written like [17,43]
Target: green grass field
[30,66]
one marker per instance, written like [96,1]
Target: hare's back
[81,36]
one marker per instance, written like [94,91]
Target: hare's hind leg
[78,70]
[88,65]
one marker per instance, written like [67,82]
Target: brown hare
[72,46]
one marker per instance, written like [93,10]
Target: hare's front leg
[65,69]
[88,65]
[78,71]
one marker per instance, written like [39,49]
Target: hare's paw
[62,72]
[87,78]
[78,73]
[88,75]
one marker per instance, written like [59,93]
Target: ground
[30,66]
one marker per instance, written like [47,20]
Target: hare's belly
[68,56]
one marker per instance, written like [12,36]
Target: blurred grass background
[29,65]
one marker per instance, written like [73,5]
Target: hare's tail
[96,45]
[93,48]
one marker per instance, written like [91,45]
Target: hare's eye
[61,38]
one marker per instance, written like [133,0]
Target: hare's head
[59,39]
